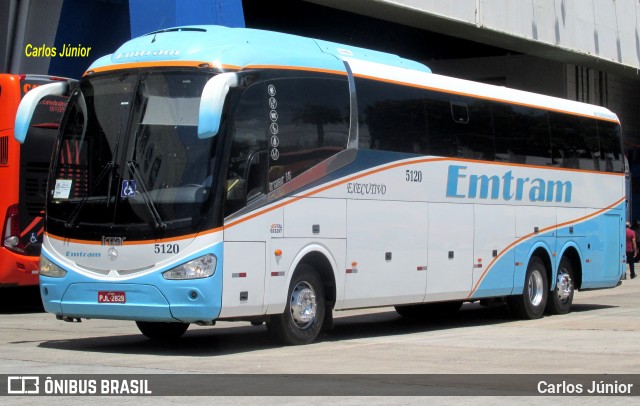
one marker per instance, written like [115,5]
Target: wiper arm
[73,218]
[157,220]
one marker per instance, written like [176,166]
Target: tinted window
[443,119]
[574,142]
[391,117]
[249,145]
[611,146]
[413,120]
[282,128]
[522,135]
[460,127]
[128,157]
[309,122]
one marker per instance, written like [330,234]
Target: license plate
[112,297]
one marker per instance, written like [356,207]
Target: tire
[431,311]
[160,331]
[304,314]
[533,300]
[561,297]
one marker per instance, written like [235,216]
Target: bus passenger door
[450,271]
[386,252]
[614,248]
[247,239]
[607,251]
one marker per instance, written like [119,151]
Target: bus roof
[480,90]
[231,49]
[238,48]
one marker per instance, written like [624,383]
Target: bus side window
[574,142]
[609,135]
[249,145]
[442,138]
[392,117]
[310,124]
[522,134]
[473,129]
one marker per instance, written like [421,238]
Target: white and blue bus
[205,173]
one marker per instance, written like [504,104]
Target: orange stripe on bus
[133,65]
[521,239]
[293,199]
[151,64]
[154,64]
[138,242]
[330,186]
[304,68]
[436,89]
[477,96]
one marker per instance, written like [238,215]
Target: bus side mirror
[28,105]
[212,102]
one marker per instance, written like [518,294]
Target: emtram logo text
[471,186]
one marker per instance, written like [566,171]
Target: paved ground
[601,336]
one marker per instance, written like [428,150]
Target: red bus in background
[23,177]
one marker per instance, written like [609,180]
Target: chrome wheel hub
[535,288]
[303,304]
[563,286]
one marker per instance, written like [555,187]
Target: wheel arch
[530,299]
[321,260]
[572,253]
[542,251]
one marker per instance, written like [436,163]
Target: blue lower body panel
[142,302]
[187,303]
[149,297]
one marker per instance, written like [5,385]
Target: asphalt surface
[600,337]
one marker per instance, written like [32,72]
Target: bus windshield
[129,161]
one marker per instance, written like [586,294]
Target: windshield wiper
[73,218]
[157,220]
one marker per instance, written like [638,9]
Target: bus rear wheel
[161,331]
[304,314]
[561,296]
[533,300]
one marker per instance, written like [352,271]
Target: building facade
[585,50]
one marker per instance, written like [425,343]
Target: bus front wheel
[162,331]
[531,303]
[304,314]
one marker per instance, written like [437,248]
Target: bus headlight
[202,267]
[48,268]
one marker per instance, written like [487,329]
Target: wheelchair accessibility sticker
[128,188]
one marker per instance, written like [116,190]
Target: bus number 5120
[166,248]
[413,176]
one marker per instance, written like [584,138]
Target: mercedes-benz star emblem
[112,254]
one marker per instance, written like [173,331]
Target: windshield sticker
[128,188]
[62,189]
